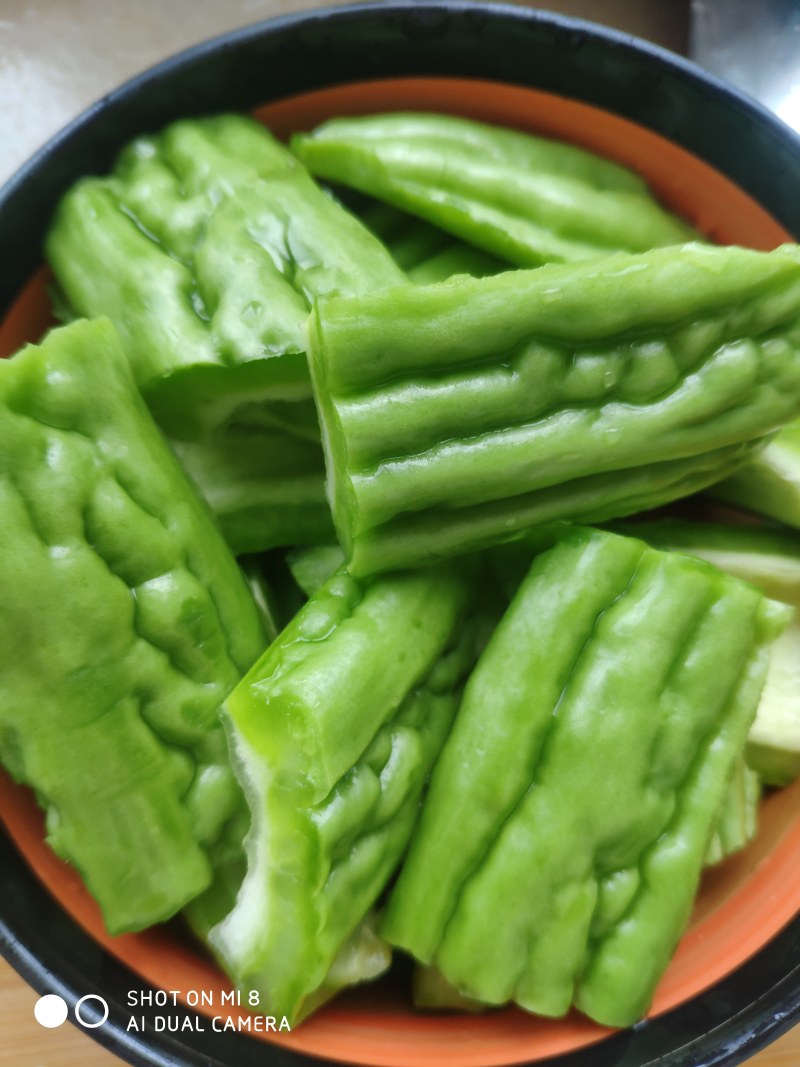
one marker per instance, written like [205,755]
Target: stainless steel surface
[755,44]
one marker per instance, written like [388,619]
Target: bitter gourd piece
[457,415]
[564,831]
[522,198]
[125,624]
[204,246]
[334,732]
[266,488]
[770,560]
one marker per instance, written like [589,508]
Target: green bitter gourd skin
[312,567]
[265,487]
[589,760]
[205,247]
[333,733]
[457,258]
[125,624]
[456,415]
[431,991]
[410,240]
[735,828]
[770,560]
[770,483]
[509,563]
[521,198]
[426,253]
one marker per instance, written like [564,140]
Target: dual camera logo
[50,1011]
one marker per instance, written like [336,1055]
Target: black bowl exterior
[336,46]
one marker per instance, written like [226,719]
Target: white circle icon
[87,1023]
[50,1011]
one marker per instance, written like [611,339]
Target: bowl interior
[742,904]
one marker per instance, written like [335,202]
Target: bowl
[710,155]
